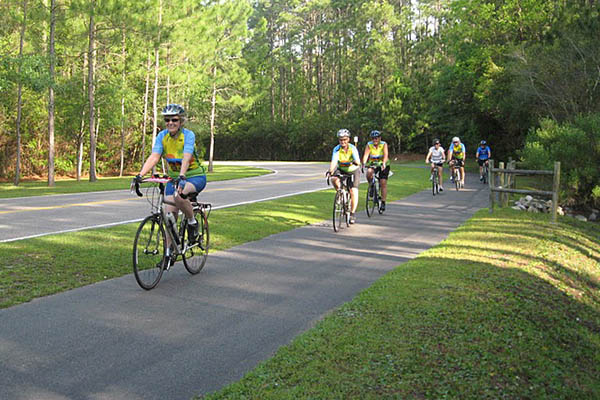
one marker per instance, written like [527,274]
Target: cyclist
[178,147]
[483,154]
[345,160]
[376,159]
[436,156]
[456,158]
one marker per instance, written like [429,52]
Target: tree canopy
[275,79]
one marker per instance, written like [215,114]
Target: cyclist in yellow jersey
[345,159]
[457,154]
[376,159]
[177,146]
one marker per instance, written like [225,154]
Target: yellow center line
[65,206]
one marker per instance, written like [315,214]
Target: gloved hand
[137,179]
[181,181]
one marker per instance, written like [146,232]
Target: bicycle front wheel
[370,203]
[196,251]
[149,249]
[338,211]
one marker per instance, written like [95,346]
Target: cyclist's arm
[385,155]
[185,163]
[355,155]
[489,153]
[366,154]
[334,162]
[151,161]
[428,156]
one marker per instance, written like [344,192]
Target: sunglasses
[171,119]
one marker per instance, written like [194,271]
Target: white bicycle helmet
[343,133]
[455,139]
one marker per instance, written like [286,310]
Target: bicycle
[341,202]
[150,258]
[485,172]
[373,193]
[435,180]
[456,176]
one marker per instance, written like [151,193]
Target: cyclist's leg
[370,174]
[440,171]
[354,190]
[383,177]
[462,173]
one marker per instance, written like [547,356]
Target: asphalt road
[27,217]
[194,334]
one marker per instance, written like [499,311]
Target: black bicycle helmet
[375,134]
[483,143]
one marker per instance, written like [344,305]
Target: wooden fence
[506,179]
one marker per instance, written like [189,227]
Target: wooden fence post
[491,183]
[501,195]
[555,189]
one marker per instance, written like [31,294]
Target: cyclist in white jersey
[436,156]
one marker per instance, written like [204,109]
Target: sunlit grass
[507,307]
[62,186]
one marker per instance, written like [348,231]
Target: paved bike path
[195,334]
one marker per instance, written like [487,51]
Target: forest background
[82,82]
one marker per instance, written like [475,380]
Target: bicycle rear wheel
[370,202]
[347,208]
[378,197]
[338,211]
[195,254]
[457,178]
[149,249]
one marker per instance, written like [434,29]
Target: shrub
[576,145]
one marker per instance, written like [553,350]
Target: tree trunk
[51,96]
[148,65]
[91,95]
[213,106]
[20,95]
[82,125]
[123,55]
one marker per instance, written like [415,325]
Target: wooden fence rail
[506,179]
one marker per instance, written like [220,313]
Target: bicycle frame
[175,237]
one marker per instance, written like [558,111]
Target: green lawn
[508,307]
[50,264]
[39,188]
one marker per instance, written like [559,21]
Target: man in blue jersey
[483,154]
[177,146]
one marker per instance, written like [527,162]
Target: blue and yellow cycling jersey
[345,158]
[173,148]
[458,152]
[375,153]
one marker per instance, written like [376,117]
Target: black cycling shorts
[382,173]
[458,162]
[481,162]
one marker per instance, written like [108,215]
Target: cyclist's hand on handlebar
[135,184]
[328,174]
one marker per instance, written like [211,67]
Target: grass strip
[41,188]
[50,264]
[508,306]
